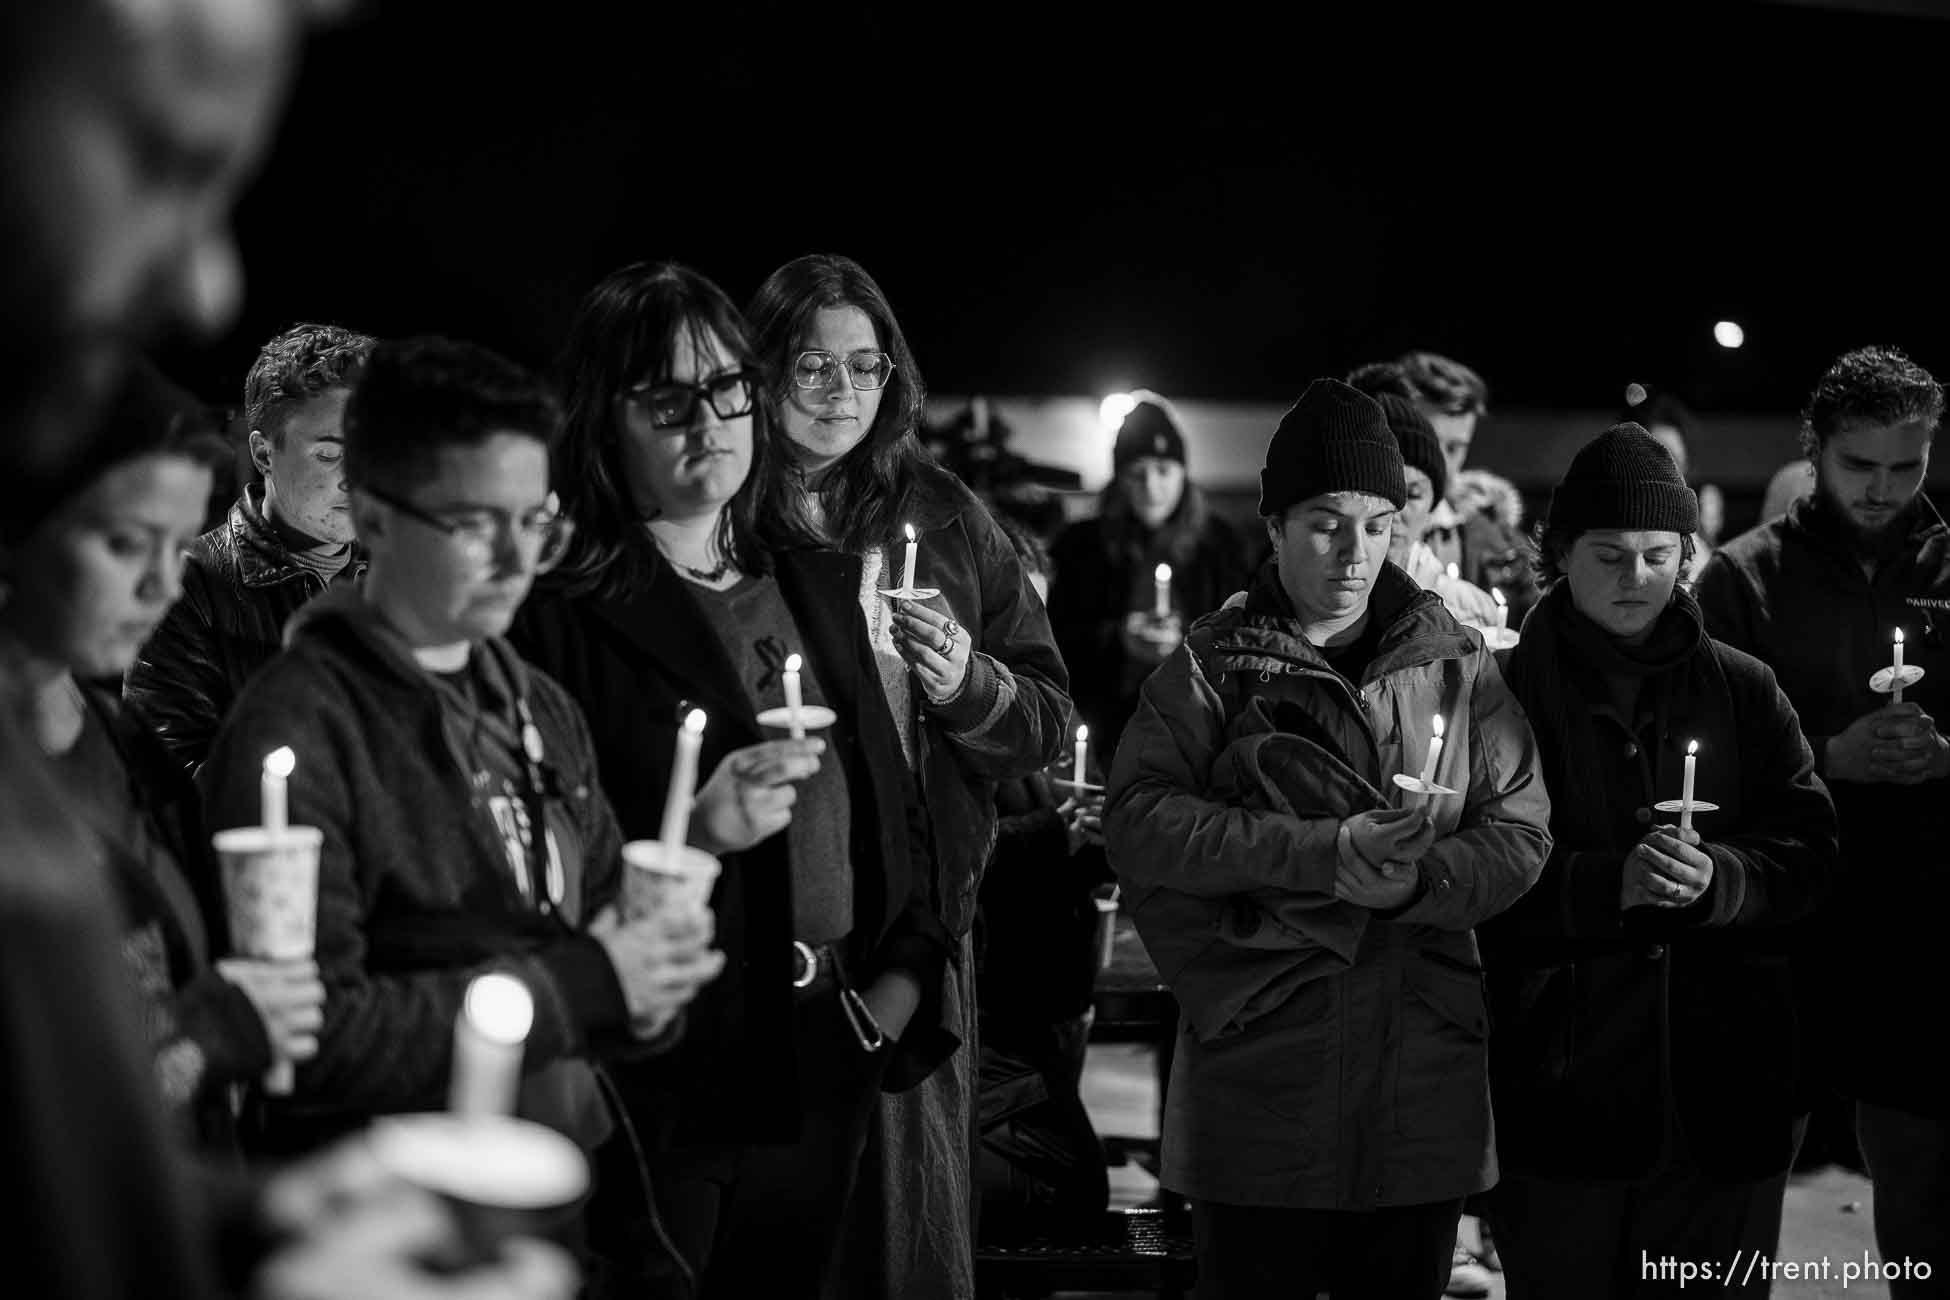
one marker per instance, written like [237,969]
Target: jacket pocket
[1441,1074]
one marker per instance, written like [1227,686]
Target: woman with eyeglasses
[971,674]
[78,596]
[669,601]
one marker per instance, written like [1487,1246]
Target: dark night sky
[1202,203]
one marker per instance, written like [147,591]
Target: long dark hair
[870,491]
[624,333]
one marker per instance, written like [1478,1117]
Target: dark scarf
[1560,671]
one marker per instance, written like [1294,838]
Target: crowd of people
[1522,889]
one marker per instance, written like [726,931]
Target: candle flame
[1163,573]
[1899,636]
[1454,572]
[280,762]
[500,1007]
[1436,722]
[1496,593]
[793,663]
[694,721]
[910,531]
[1083,732]
[1692,747]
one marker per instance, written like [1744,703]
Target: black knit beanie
[1148,430]
[1421,449]
[1623,479]
[1335,439]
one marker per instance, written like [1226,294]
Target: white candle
[1435,751]
[1083,750]
[1502,608]
[1896,669]
[1686,787]
[907,570]
[683,785]
[792,702]
[278,765]
[1161,591]
[488,1035]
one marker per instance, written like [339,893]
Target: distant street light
[1114,409]
[1728,334]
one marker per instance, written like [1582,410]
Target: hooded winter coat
[1360,1081]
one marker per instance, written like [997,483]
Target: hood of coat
[1477,491]
[1415,626]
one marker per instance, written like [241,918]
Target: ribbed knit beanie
[1623,479]
[1148,430]
[1421,449]
[1334,439]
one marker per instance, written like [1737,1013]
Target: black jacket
[417,893]
[1610,1025]
[1037,926]
[630,662]
[1103,571]
[240,588]
[1792,593]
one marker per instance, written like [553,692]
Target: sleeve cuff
[969,707]
[592,996]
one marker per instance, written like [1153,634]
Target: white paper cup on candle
[270,890]
[501,1177]
[653,885]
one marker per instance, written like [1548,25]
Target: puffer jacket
[240,588]
[1368,1086]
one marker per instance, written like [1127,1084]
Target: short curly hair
[1445,386]
[295,367]
[1869,386]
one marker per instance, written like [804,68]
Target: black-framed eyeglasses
[477,529]
[818,368]
[673,406]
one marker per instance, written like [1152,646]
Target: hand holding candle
[795,709]
[488,1036]
[278,766]
[683,784]
[1161,592]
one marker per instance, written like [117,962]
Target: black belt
[813,965]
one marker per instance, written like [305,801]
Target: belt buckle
[809,964]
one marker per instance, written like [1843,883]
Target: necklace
[715,574]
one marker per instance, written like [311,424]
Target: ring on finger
[953,629]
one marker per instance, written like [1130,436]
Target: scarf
[1560,671]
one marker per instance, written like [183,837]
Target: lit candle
[1161,590]
[907,570]
[1686,787]
[1083,750]
[1454,572]
[1502,608]
[278,765]
[683,785]
[1896,669]
[493,1024]
[1435,751]
[792,703]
